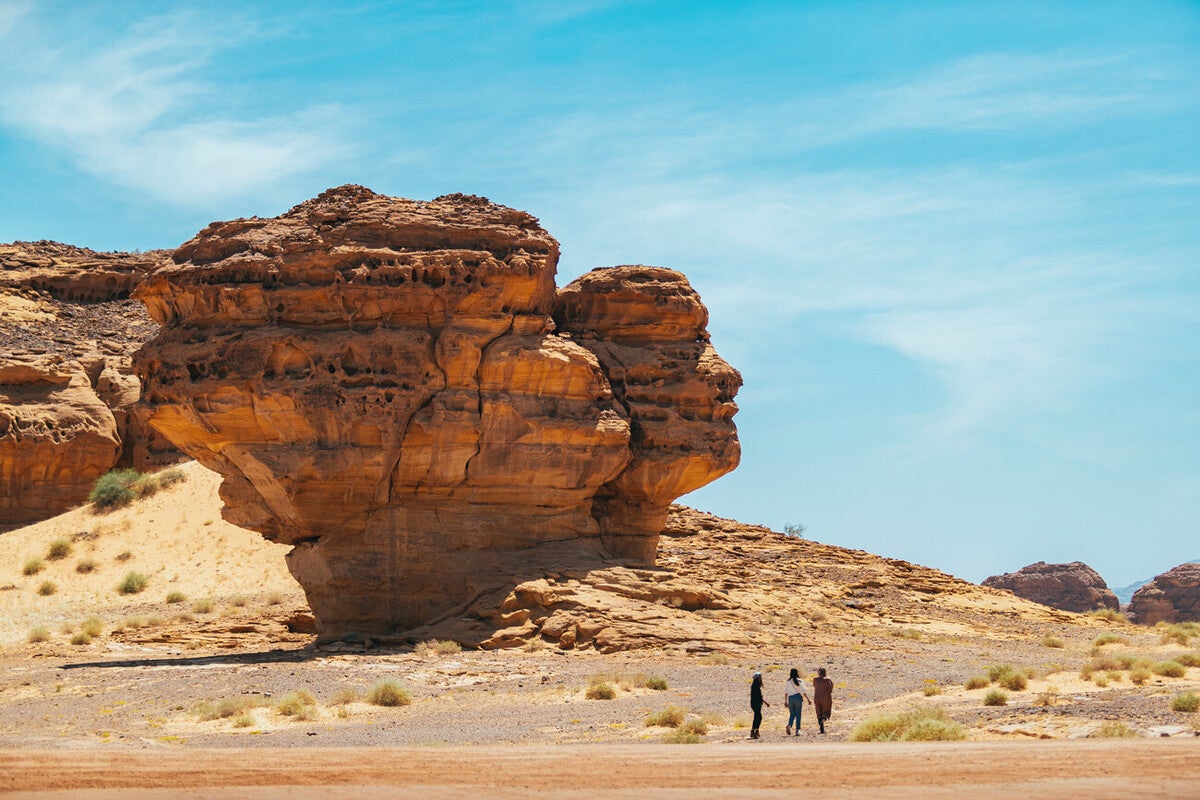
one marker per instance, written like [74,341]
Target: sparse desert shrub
[712,718]
[603,690]
[85,565]
[656,683]
[997,672]
[1014,681]
[695,725]
[914,725]
[1112,730]
[932,687]
[1109,638]
[1052,641]
[245,720]
[1108,614]
[113,489]
[1099,664]
[345,696]
[203,606]
[238,601]
[169,477]
[38,634]
[1101,681]
[59,549]
[133,583]
[92,626]
[977,682]
[433,647]
[714,659]
[176,596]
[679,736]
[1188,659]
[1115,675]
[1047,697]
[670,717]
[47,588]
[124,556]
[81,638]
[388,693]
[908,633]
[143,487]
[1169,669]
[297,704]
[1188,702]
[274,599]
[995,697]
[1178,632]
[33,566]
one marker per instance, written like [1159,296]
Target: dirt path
[980,770]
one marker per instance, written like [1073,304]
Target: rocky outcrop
[1173,596]
[1070,587]
[68,395]
[382,384]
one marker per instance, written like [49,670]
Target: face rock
[397,389]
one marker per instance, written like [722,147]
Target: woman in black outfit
[756,703]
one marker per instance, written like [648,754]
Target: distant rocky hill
[1071,587]
[1173,596]
[68,394]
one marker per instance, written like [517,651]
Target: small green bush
[602,690]
[33,566]
[38,634]
[114,489]
[670,717]
[1188,702]
[81,638]
[977,682]
[92,626]
[1112,730]
[85,565]
[1052,641]
[59,549]
[997,672]
[133,583]
[203,606]
[995,698]
[656,683]
[1169,669]
[914,725]
[1014,681]
[47,588]
[176,596]
[388,693]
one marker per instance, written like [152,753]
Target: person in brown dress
[822,697]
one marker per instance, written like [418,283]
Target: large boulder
[1070,587]
[381,384]
[1173,596]
[68,395]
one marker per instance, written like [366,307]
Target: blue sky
[953,247]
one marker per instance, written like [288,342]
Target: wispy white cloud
[11,12]
[140,113]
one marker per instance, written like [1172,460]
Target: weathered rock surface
[1070,587]
[1173,596]
[68,395]
[381,383]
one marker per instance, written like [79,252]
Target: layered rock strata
[1173,596]
[68,395]
[1070,587]
[381,384]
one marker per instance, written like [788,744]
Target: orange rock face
[381,384]
[68,396]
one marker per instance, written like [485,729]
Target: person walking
[823,695]
[756,703]
[795,692]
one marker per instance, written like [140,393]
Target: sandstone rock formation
[68,395]
[381,384]
[1070,587]
[1173,596]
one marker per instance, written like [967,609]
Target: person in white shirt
[795,692]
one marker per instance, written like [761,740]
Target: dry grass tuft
[388,693]
[1112,730]
[601,690]
[133,583]
[32,567]
[85,565]
[298,704]
[443,647]
[1052,641]
[38,634]
[1188,702]
[47,588]
[670,717]
[977,682]
[914,725]
[59,549]
[995,697]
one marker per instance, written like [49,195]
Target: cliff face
[381,384]
[1173,596]
[68,395]
[1071,587]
